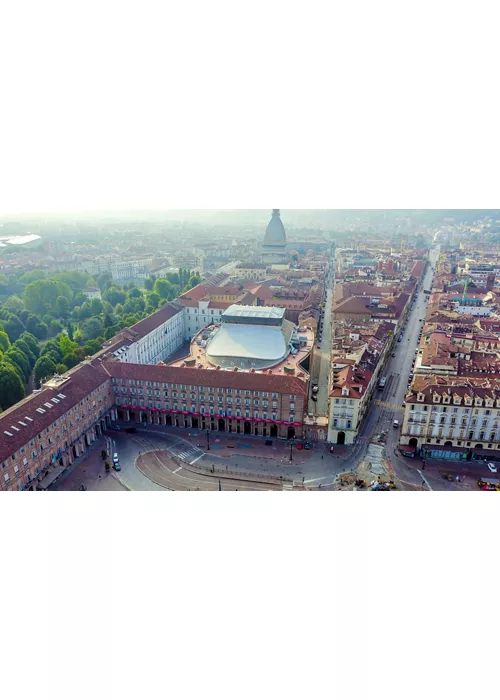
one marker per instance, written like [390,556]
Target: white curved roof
[275,231]
[258,346]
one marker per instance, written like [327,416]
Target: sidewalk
[86,470]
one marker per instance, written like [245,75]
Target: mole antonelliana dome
[274,244]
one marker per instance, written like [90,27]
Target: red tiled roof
[258,381]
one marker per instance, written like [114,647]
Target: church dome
[275,232]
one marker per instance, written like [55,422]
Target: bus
[382,383]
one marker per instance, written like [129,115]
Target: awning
[49,480]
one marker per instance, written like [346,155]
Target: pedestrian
[319,486]
[100,477]
[321,456]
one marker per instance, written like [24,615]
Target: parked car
[115,458]
[314,397]
[115,427]
[116,466]
[395,424]
[393,354]
[492,468]
[315,389]
[131,430]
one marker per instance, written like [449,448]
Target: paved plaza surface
[156,458]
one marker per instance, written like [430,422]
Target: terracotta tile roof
[258,381]
[148,324]
[83,379]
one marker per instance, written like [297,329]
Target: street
[321,363]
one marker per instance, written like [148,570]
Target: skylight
[49,405]
[7,433]
[21,423]
[55,400]
[14,428]
[61,396]
[40,410]
[28,419]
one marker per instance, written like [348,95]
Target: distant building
[274,250]
[92,293]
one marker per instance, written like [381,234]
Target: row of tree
[48,324]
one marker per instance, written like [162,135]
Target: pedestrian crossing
[186,454]
[386,404]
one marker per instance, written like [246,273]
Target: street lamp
[208,439]
[291,450]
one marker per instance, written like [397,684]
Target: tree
[23,346]
[70,330]
[18,359]
[135,293]
[4,341]
[11,386]
[153,299]
[92,346]
[14,303]
[115,296]
[55,327]
[40,297]
[165,289]
[91,329]
[13,327]
[52,347]
[71,360]
[96,307]
[41,330]
[62,306]
[149,283]
[32,276]
[31,342]
[61,368]
[66,346]
[44,368]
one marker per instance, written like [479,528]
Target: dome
[275,232]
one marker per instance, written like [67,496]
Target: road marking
[177,470]
[311,481]
[424,479]
[196,459]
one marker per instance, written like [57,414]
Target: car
[314,397]
[131,430]
[115,427]
[116,466]
[393,354]
[307,446]
[492,468]
[395,424]
[115,458]
[315,389]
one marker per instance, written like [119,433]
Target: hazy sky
[110,105]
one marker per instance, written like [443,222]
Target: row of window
[184,387]
[443,409]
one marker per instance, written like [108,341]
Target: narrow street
[321,363]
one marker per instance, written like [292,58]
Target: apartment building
[256,403]
[458,418]
[151,340]
[43,434]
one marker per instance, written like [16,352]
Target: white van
[115,458]
[395,424]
